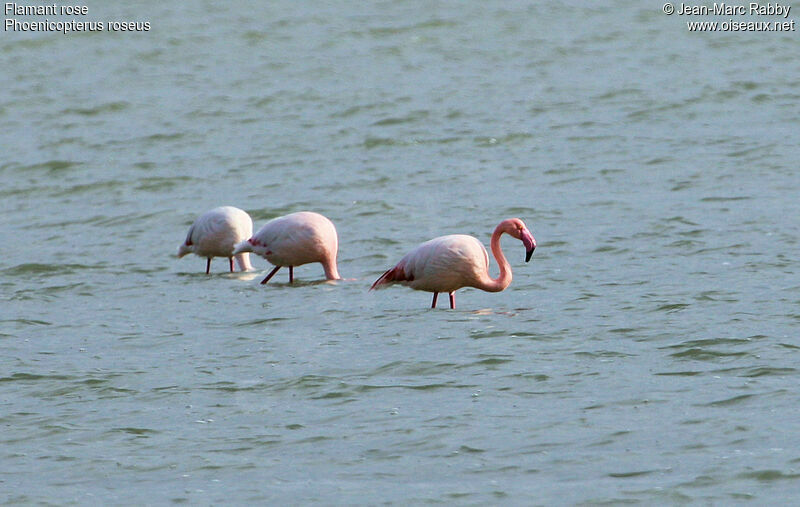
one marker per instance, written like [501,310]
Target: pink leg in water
[435,297]
[208,265]
[453,300]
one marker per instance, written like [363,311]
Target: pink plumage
[215,233]
[293,240]
[448,263]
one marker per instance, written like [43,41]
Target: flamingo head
[517,229]
[530,244]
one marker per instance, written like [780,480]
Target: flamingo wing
[296,239]
[443,264]
[216,231]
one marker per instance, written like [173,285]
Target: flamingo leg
[291,274]
[208,265]
[453,300]
[435,297]
[270,275]
[230,261]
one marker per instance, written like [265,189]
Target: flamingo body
[296,239]
[449,263]
[215,234]
[443,264]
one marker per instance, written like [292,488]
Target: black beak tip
[528,254]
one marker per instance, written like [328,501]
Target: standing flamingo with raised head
[215,233]
[293,240]
[448,263]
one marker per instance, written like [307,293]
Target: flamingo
[448,263]
[215,233]
[293,240]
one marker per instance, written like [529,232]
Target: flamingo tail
[396,274]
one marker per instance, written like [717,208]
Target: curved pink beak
[530,244]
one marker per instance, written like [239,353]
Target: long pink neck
[329,265]
[504,280]
[243,260]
